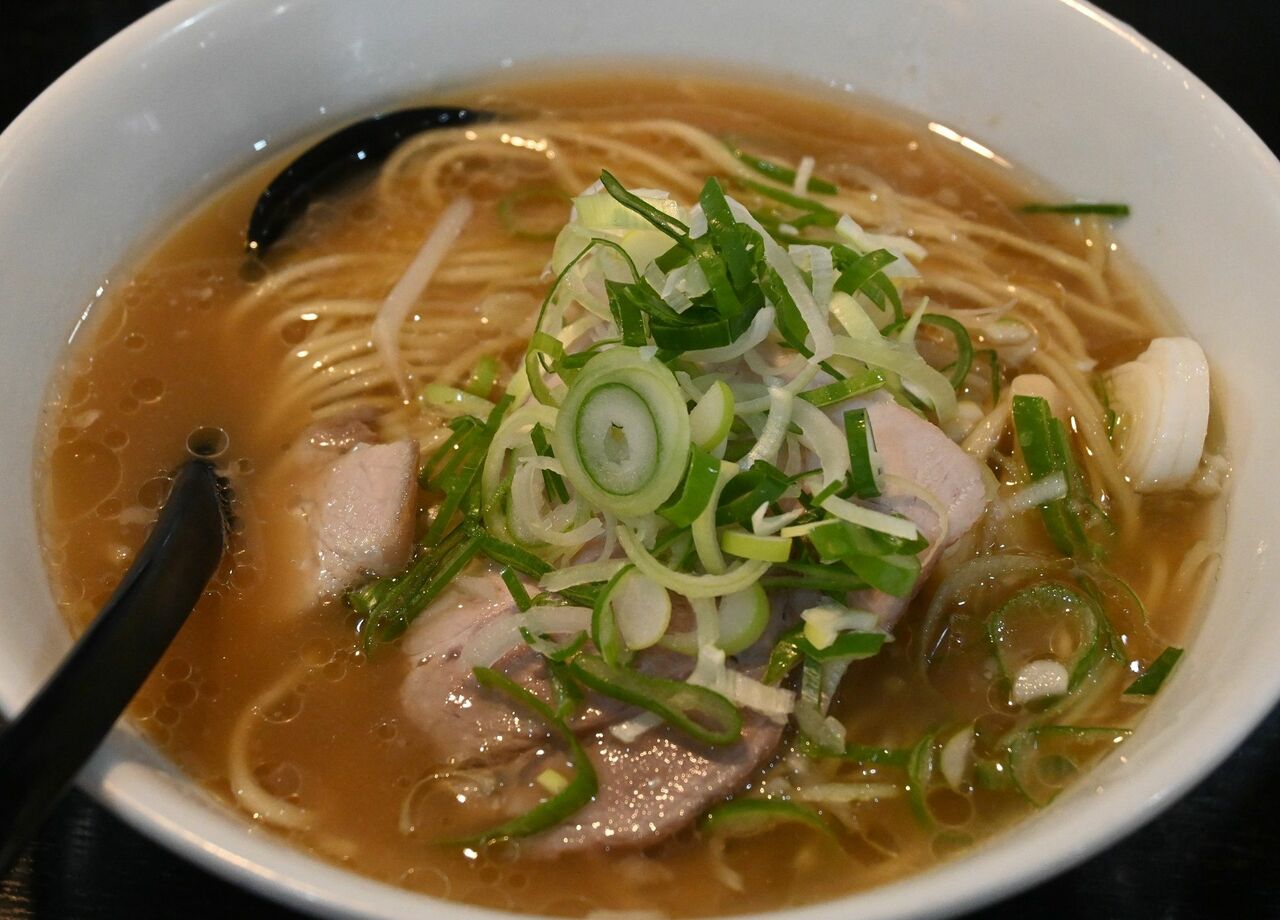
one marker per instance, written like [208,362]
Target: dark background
[1215,854]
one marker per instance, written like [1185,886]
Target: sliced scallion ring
[743,618]
[712,416]
[1024,629]
[1043,760]
[736,578]
[748,817]
[622,433]
[641,609]
[744,545]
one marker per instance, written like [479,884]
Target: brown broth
[158,362]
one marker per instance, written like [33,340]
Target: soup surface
[272,702]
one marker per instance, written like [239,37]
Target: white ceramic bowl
[154,120]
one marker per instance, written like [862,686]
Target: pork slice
[656,786]
[467,723]
[335,509]
[362,513]
[918,455]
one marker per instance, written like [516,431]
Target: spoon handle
[44,748]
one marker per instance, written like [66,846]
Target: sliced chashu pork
[649,789]
[919,458]
[349,508]
[467,723]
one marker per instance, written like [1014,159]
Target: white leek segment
[1038,680]
[824,623]
[584,573]
[395,309]
[1040,492]
[736,578]
[1162,399]
[743,618]
[712,416]
[642,610]
[954,758]
[847,792]
[622,432]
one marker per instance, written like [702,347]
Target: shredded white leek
[395,308]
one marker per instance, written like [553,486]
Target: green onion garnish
[518,593]
[1153,677]
[860,384]
[748,817]
[699,486]
[702,714]
[864,463]
[483,377]
[1106,208]
[1046,451]
[779,173]
[577,793]
[604,626]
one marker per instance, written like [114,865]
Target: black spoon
[340,156]
[44,748]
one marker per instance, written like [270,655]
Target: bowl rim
[985,878]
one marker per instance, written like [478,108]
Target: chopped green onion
[518,593]
[575,794]
[835,580]
[814,212]
[641,610]
[849,645]
[779,173]
[460,475]
[1045,450]
[726,236]
[669,225]
[627,315]
[712,417]
[864,461]
[763,484]
[892,524]
[745,545]
[919,777]
[744,616]
[875,756]
[702,714]
[748,817]
[840,540]
[738,577]
[553,781]
[550,478]
[1043,760]
[1153,677]
[893,573]
[390,605]
[483,377]
[1024,629]
[604,627]
[832,393]
[699,487]
[1106,208]
[786,654]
